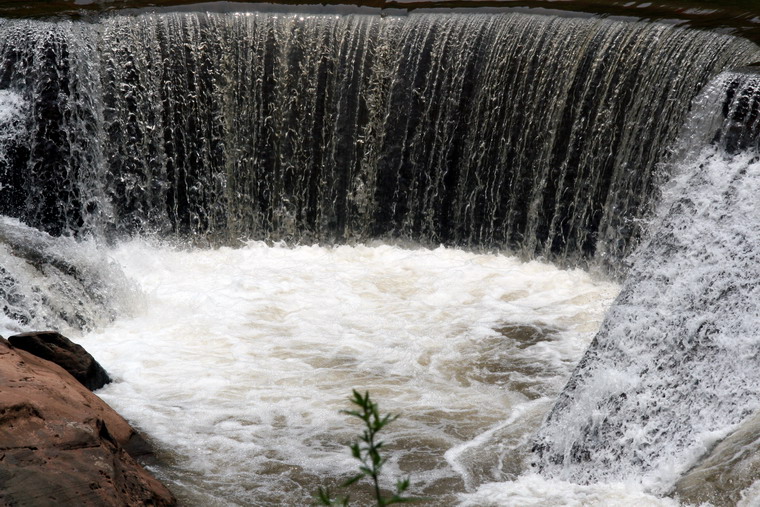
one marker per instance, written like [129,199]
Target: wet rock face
[68,355]
[62,445]
[728,474]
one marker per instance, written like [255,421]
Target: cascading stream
[674,366]
[535,133]
[538,135]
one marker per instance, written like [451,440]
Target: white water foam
[241,359]
[535,491]
[12,109]
[56,282]
[13,112]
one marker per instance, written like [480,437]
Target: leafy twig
[366,449]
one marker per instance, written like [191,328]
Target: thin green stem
[368,454]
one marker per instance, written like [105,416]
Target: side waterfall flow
[674,365]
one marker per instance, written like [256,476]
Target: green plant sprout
[367,450]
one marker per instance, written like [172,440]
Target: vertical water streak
[51,176]
[526,132]
[587,109]
[534,133]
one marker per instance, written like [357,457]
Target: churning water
[146,136]
[239,360]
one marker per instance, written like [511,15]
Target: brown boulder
[68,355]
[62,445]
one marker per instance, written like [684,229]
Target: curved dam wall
[533,133]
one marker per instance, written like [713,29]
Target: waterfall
[533,133]
[56,282]
[674,365]
[552,138]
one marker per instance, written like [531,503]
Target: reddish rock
[62,445]
[65,353]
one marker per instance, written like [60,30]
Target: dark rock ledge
[60,444]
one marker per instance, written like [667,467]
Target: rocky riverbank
[59,443]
